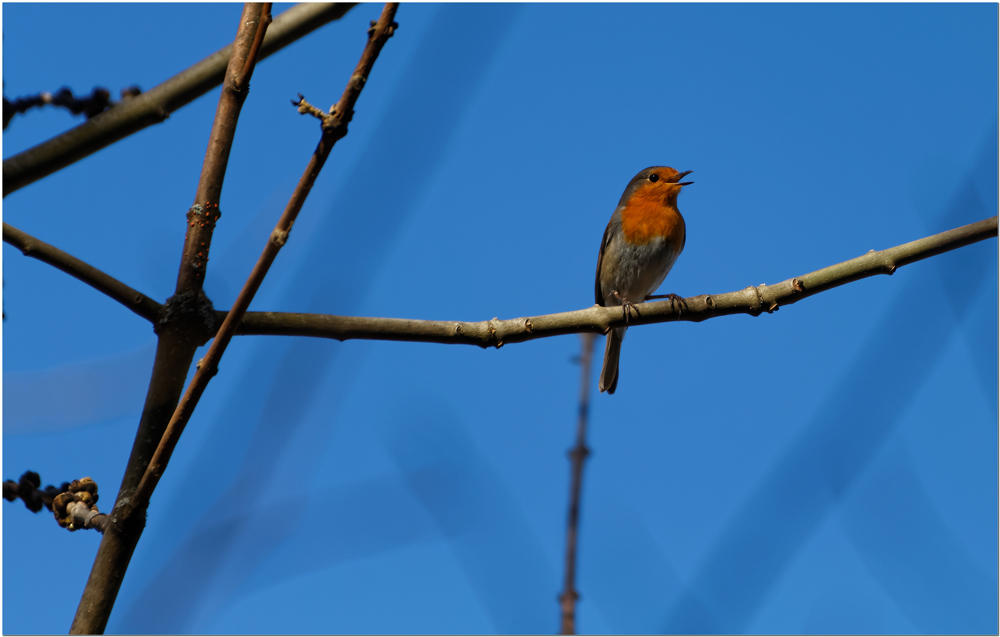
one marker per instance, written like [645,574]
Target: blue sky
[831,468]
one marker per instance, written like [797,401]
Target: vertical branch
[205,211]
[183,326]
[567,601]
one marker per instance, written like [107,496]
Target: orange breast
[647,217]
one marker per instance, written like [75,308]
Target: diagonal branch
[136,301]
[497,333]
[380,32]
[155,105]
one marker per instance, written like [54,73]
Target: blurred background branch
[98,101]
[578,454]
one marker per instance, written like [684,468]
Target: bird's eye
[654,177]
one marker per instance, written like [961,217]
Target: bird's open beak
[680,176]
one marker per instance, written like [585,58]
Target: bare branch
[138,302]
[377,37]
[205,211]
[496,333]
[186,322]
[251,61]
[578,454]
[155,105]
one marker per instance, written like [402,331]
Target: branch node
[492,330]
[192,311]
[579,453]
[279,237]
[201,214]
[797,286]
[756,309]
[528,326]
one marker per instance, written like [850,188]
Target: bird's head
[656,182]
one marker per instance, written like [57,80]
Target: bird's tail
[609,372]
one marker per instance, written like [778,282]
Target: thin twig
[378,35]
[155,105]
[578,454]
[180,330]
[497,333]
[136,301]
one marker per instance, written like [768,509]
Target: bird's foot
[676,302]
[627,307]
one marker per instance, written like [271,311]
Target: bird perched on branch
[643,239]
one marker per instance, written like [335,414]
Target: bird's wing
[598,296]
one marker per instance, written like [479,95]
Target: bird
[645,236]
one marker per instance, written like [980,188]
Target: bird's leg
[674,299]
[627,307]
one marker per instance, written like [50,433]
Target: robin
[643,239]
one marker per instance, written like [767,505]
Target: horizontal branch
[496,333]
[136,301]
[156,104]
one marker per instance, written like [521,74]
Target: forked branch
[495,333]
[186,322]
[381,31]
